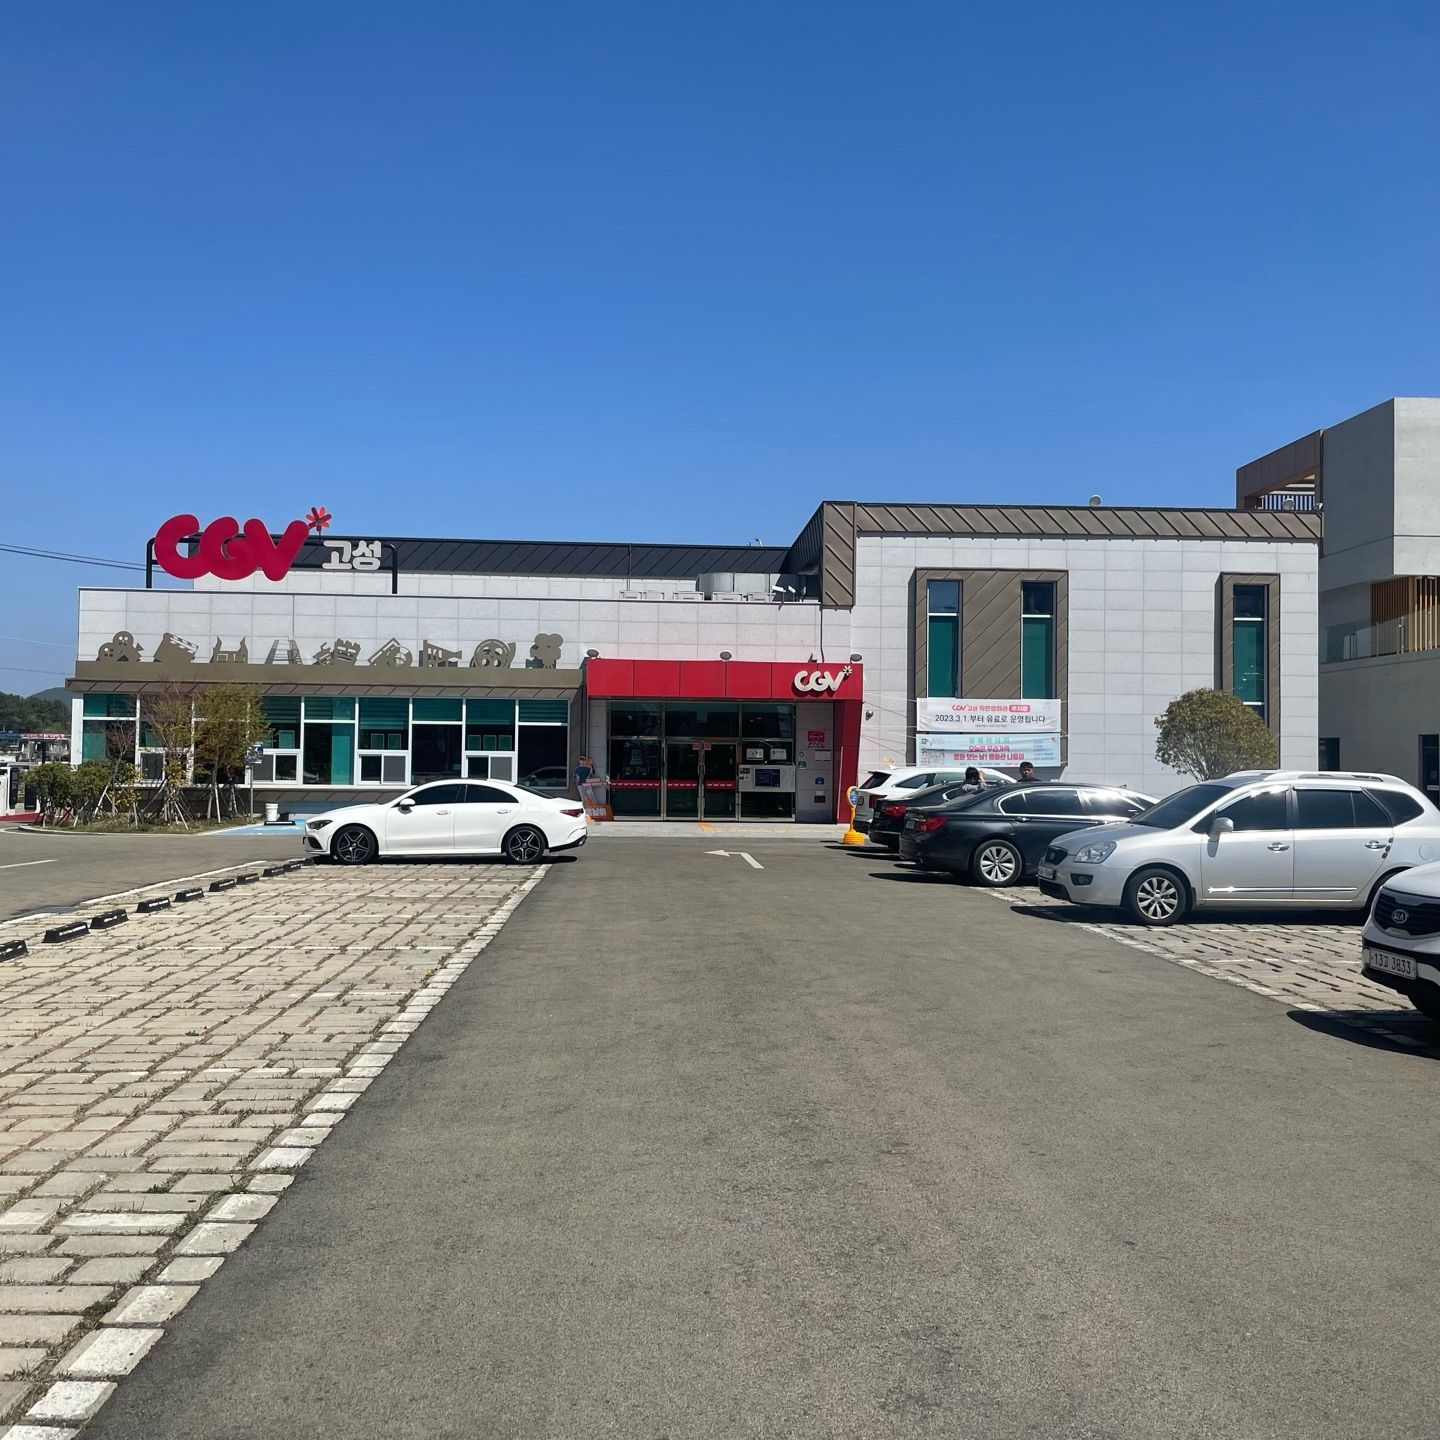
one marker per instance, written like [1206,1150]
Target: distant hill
[34,712]
[55,692]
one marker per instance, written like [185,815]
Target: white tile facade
[1142,631]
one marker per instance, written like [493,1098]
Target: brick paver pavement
[159,1082]
[1302,962]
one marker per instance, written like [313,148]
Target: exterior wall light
[592,654]
[857,657]
[726,655]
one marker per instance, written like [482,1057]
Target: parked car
[882,784]
[1256,839]
[998,837]
[1401,942]
[887,819]
[451,817]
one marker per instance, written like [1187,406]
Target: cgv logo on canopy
[820,682]
[230,553]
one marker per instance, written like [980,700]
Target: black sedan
[997,838]
[887,821]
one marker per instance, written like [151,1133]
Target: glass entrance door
[718,781]
[682,780]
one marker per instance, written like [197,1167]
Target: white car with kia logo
[1401,944]
[450,817]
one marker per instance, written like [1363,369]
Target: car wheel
[1156,897]
[996,863]
[354,845]
[524,845]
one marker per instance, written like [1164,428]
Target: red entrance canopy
[724,679]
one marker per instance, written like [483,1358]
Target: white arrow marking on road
[21,864]
[745,855]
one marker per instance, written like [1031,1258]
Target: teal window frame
[1250,648]
[1037,640]
[944,614]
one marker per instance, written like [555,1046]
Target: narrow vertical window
[1249,645]
[1037,640]
[943,637]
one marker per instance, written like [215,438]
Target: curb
[117,915]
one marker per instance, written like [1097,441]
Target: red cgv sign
[229,552]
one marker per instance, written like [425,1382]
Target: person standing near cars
[1027,771]
[974,781]
[584,773]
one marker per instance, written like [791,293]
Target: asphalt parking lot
[50,873]
[803,1145]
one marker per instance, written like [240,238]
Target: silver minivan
[1256,839]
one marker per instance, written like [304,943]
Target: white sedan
[451,817]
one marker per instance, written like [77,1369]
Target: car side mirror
[1221,825]
[405,806]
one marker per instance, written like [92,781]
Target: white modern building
[729,681]
[1376,477]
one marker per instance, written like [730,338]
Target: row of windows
[391,740]
[1317,810]
[944,621]
[1249,640]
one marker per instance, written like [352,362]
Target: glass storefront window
[767,722]
[329,754]
[544,757]
[282,714]
[632,717]
[489,726]
[384,724]
[435,753]
[109,707]
[686,720]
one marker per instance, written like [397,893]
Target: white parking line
[21,864]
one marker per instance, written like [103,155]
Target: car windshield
[1181,807]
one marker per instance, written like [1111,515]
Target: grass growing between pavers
[158,1093]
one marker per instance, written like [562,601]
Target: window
[1113,803]
[1249,643]
[1266,811]
[1330,754]
[487,795]
[1368,812]
[1397,805]
[439,795]
[108,729]
[767,722]
[916,782]
[384,725]
[329,754]
[1037,640]
[489,726]
[1324,810]
[1014,804]
[1430,767]
[942,629]
[1057,800]
[282,715]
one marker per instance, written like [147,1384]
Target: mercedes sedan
[451,817]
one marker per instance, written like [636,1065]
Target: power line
[71,559]
[29,640]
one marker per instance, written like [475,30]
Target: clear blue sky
[681,271]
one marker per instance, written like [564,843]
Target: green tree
[1206,733]
[228,721]
[167,716]
[30,712]
[54,783]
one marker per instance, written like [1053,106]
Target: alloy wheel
[997,864]
[1157,897]
[353,846]
[525,847]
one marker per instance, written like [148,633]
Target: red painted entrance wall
[745,680]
